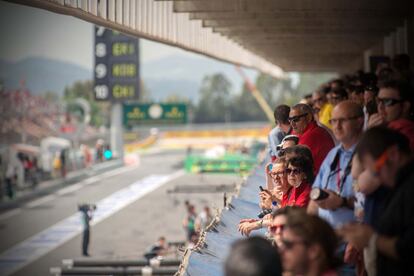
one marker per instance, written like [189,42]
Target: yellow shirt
[325,114]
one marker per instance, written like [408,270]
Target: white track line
[95,179]
[44,242]
[70,189]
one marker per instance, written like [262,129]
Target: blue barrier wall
[209,260]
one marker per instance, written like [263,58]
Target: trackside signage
[153,114]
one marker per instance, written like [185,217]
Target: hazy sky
[27,32]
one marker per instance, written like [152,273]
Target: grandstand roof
[295,35]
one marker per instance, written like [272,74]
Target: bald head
[349,109]
[347,122]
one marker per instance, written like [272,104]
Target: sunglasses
[278,174]
[293,171]
[287,244]
[274,228]
[342,120]
[388,101]
[296,119]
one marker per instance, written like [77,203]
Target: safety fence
[117,267]
[208,256]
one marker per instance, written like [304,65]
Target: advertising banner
[153,114]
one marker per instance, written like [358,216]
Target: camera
[264,212]
[318,194]
[86,207]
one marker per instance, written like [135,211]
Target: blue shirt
[328,178]
[275,138]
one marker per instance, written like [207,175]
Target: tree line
[217,102]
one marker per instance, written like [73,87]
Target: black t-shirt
[398,221]
[374,206]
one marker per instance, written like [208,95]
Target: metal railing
[147,267]
[147,271]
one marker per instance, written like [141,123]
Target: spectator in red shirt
[310,134]
[300,175]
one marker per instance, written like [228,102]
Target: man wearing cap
[310,133]
[281,115]
[287,142]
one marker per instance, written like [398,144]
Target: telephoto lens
[264,213]
[318,194]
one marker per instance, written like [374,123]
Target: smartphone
[372,107]
[270,167]
[261,188]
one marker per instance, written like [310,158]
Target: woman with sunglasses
[299,176]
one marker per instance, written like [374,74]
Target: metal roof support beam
[306,14]
[151,20]
[364,23]
[282,5]
[296,34]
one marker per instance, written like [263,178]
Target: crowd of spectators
[28,115]
[26,120]
[194,223]
[338,192]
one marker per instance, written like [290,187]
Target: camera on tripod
[85,207]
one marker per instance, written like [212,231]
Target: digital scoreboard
[117,74]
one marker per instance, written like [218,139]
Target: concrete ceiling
[302,35]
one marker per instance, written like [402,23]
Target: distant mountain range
[172,75]
[41,74]
[194,69]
